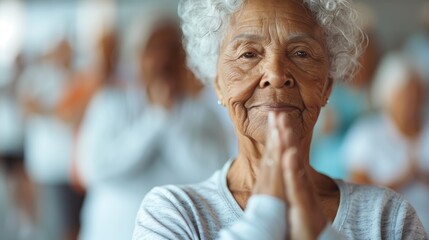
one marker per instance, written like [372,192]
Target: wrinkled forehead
[286,16]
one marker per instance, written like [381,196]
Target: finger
[272,154]
[270,175]
[305,215]
[287,139]
[286,131]
[298,187]
[270,141]
[284,121]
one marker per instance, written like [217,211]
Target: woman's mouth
[274,107]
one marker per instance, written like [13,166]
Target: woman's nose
[277,75]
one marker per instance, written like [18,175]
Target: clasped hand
[284,174]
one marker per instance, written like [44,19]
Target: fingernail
[293,151]
[288,155]
[271,121]
[275,134]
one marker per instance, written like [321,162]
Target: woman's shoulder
[195,210]
[182,196]
[378,212]
[373,192]
[365,199]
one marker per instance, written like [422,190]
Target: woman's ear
[327,91]
[218,91]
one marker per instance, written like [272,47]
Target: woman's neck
[243,173]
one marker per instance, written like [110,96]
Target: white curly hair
[204,23]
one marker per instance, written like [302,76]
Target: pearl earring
[219,102]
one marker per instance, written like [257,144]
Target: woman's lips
[276,108]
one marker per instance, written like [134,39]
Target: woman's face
[273,58]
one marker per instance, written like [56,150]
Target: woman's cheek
[257,125]
[313,104]
[311,82]
[240,82]
[312,67]
[240,86]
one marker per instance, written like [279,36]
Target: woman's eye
[301,54]
[248,55]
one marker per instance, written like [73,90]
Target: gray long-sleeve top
[201,211]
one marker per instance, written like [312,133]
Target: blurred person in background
[48,142]
[11,119]
[89,81]
[348,102]
[18,191]
[153,133]
[86,84]
[418,46]
[391,147]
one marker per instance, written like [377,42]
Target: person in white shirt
[11,115]
[418,46]
[16,190]
[390,148]
[156,133]
[48,141]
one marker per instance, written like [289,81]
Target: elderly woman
[273,64]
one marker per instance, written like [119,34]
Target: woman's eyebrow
[247,36]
